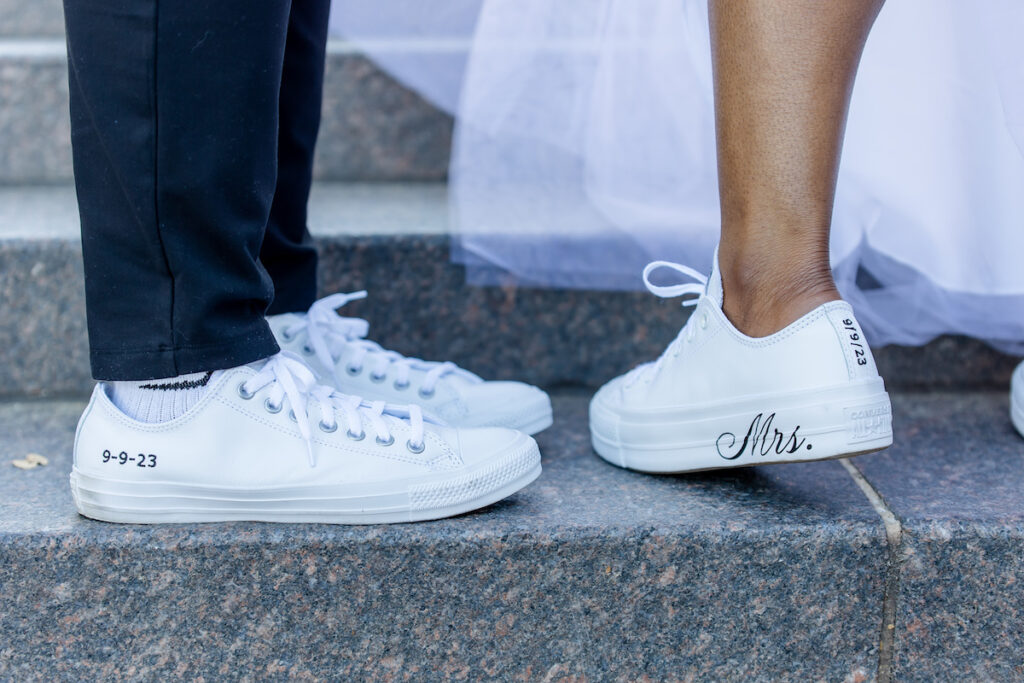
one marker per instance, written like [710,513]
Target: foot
[1017,399]
[718,398]
[339,354]
[267,444]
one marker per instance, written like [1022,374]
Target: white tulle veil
[584,148]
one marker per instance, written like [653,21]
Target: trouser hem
[136,365]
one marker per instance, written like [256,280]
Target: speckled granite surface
[955,479]
[375,129]
[43,342]
[419,304]
[772,573]
[372,127]
[551,337]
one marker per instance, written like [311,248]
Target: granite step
[904,565]
[392,239]
[373,128]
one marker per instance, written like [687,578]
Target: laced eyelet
[415,448]
[400,385]
[374,377]
[426,394]
[271,408]
[391,440]
[328,429]
[307,349]
[245,393]
[356,437]
[353,371]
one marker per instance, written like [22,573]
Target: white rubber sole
[781,428]
[1016,411]
[442,495]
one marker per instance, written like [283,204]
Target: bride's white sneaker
[717,398]
[268,444]
[336,349]
[1017,399]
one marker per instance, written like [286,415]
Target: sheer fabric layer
[585,148]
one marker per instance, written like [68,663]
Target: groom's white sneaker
[266,443]
[336,349]
[1017,399]
[718,398]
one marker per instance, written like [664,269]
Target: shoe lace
[289,379]
[668,292]
[330,334]
[682,289]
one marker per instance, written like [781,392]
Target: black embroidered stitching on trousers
[184,384]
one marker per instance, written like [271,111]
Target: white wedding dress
[584,148]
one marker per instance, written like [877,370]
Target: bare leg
[783,72]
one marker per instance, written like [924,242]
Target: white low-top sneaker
[1017,399]
[717,398]
[337,350]
[268,444]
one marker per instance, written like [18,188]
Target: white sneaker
[718,398]
[1017,399]
[340,355]
[270,445]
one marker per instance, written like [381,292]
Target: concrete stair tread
[780,572]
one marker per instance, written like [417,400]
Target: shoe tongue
[256,365]
[713,289]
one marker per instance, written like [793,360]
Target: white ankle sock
[159,400]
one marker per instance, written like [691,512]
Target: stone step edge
[821,577]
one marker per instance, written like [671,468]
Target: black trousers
[193,124]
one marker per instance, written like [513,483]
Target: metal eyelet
[401,386]
[307,349]
[330,429]
[271,408]
[356,437]
[287,336]
[704,321]
[426,394]
[391,440]
[245,393]
[291,416]
[353,372]
[374,377]
[415,448]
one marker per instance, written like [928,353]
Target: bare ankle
[760,301]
